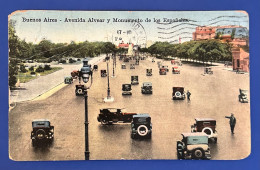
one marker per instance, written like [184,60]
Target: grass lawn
[25,77]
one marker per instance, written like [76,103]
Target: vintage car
[208,70]
[153,60]
[193,146]
[123,66]
[242,97]
[80,90]
[166,67]
[147,88]
[137,62]
[172,61]
[42,132]
[162,71]
[149,72]
[68,80]
[141,126]
[95,67]
[114,115]
[75,74]
[206,125]
[103,73]
[132,66]
[126,59]
[134,80]
[175,70]
[178,62]
[178,93]
[127,90]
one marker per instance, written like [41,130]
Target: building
[123,45]
[240,59]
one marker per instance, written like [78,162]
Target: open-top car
[68,80]
[103,73]
[95,67]
[42,132]
[80,90]
[141,126]
[149,72]
[193,146]
[132,66]
[242,97]
[147,88]
[175,70]
[123,66]
[114,115]
[127,90]
[178,93]
[208,70]
[206,125]
[134,80]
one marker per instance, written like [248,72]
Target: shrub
[31,68]
[40,69]
[22,68]
[47,67]
[33,73]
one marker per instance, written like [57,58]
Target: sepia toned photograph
[129,85]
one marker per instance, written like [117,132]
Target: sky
[182,25]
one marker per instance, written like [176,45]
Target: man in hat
[188,94]
[232,122]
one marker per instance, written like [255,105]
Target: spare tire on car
[198,153]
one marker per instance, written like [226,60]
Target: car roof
[40,120]
[194,134]
[147,83]
[205,119]
[141,115]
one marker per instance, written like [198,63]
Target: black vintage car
[149,72]
[114,115]
[42,133]
[134,80]
[242,97]
[178,93]
[147,88]
[80,90]
[141,126]
[103,73]
[95,67]
[127,90]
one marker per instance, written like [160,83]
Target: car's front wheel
[198,153]
[104,121]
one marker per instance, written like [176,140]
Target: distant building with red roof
[123,45]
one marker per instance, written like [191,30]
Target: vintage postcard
[134,85]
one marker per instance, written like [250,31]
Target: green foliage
[31,68]
[40,69]
[47,67]
[13,70]
[22,68]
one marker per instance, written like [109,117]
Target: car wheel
[79,91]
[33,143]
[207,130]
[104,121]
[142,130]
[198,153]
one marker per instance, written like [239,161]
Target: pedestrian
[232,122]
[188,94]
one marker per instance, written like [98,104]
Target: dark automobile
[141,126]
[162,71]
[123,66]
[80,90]
[68,80]
[132,66]
[42,133]
[208,70]
[113,115]
[126,59]
[193,146]
[95,67]
[206,125]
[103,73]
[127,90]
[147,88]
[242,97]
[178,93]
[149,72]
[134,80]
[137,62]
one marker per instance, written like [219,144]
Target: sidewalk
[43,84]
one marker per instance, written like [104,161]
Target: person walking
[232,122]
[188,94]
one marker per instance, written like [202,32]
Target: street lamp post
[108,98]
[85,74]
